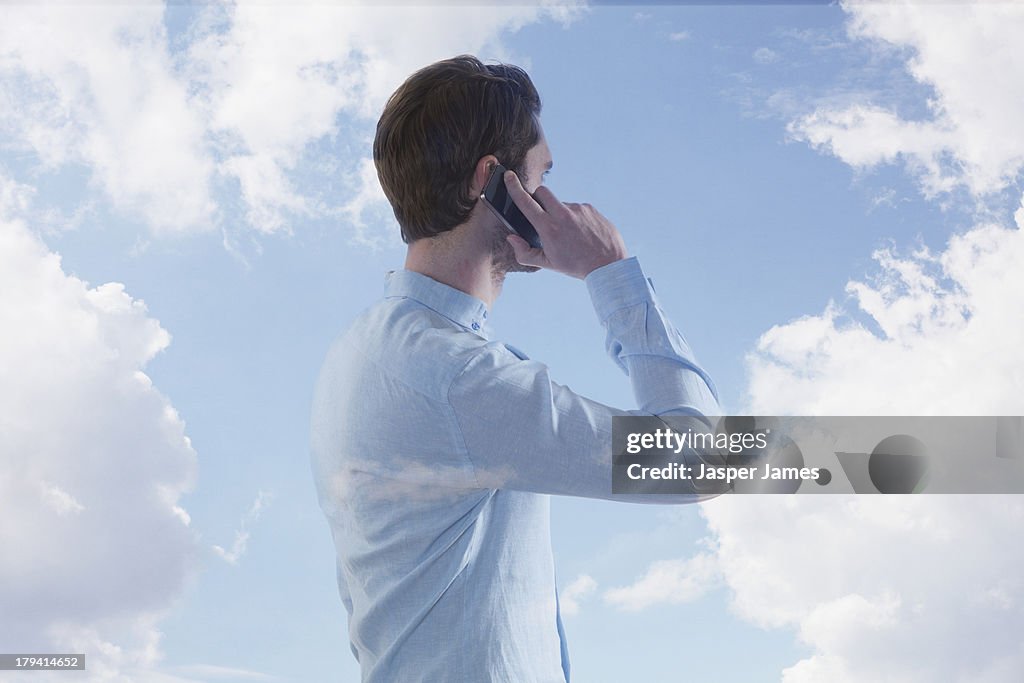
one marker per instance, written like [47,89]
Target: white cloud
[15,198]
[176,137]
[866,135]
[94,85]
[667,582]
[569,598]
[902,589]
[969,54]
[679,36]
[59,500]
[95,460]
[266,191]
[949,326]
[941,329]
[765,55]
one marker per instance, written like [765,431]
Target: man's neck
[459,260]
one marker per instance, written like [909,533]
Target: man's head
[440,134]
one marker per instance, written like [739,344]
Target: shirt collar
[461,308]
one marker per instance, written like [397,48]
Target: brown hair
[437,125]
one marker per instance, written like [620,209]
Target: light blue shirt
[434,450]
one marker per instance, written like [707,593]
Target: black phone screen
[496,196]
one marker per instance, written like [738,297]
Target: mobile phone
[496,196]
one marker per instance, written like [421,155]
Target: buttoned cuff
[618,285]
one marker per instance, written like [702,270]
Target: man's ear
[482,173]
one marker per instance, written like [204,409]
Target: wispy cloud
[241,542]
[971,137]
[570,597]
[667,582]
[59,500]
[765,55]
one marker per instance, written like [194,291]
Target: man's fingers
[525,254]
[547,199]
[530,208]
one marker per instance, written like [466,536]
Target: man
[433,446]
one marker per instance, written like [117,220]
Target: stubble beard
[503,257]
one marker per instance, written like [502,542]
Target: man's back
[432,450]
[445,576]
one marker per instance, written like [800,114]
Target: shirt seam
[399,378]
[446,316]
[645,302]
[455,418]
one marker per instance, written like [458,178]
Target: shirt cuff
[617,285]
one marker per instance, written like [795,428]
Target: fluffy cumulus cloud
[912,588]
[96,545]
[253,103]
[969,55]
[94,86]
[903,589]
[928,332]
[907,589]
[931,333]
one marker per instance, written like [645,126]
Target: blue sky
[820,193]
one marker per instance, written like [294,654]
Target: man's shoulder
[413,344]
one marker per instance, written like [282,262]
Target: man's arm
[523,431]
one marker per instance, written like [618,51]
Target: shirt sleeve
[523,431]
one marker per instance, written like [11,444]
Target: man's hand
[576,237]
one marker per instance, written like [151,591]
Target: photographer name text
[677,471]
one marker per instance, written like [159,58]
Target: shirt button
[475,325]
